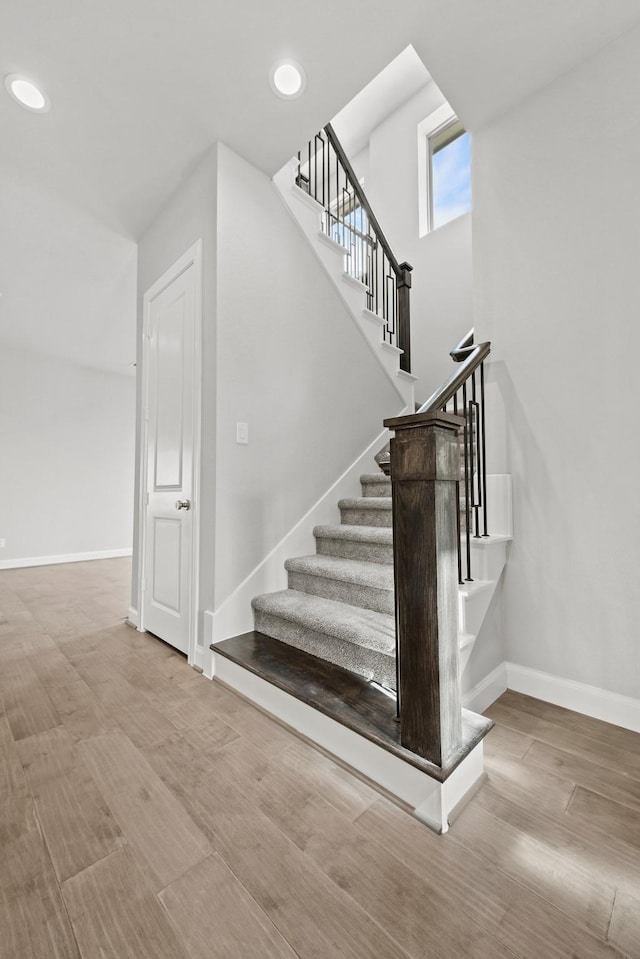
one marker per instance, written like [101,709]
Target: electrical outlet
[3,543]
[242,432]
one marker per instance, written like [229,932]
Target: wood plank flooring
[146,812]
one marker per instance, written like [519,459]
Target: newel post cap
[436,419]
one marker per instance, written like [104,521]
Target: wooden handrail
[370,258]
[473,357]
[463,348]
[362,198]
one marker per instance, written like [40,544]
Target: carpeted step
[372,544]
[354,582]
[375,484]
[361,640]
[366,511]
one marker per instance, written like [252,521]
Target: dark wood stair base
[341,695]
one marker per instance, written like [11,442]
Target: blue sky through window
[451,180]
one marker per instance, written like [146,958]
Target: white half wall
[555,238]
[67,448]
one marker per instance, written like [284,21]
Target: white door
[168,607]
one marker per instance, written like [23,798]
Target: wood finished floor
[147,813]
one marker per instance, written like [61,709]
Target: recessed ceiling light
[27,93]
[287,79]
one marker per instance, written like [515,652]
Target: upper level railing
[324,171]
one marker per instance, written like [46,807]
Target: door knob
[183,504]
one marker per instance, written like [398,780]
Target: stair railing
[463,395]
[325,173]
[428,467]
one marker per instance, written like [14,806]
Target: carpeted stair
[339,604]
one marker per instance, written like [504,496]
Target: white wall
[188,217]
[68,282]
[292,364]
[67,411]
[67,449]
[441,295]
[556,251]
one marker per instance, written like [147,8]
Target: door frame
[192,257]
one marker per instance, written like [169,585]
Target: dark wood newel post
[425,465]
[403,282]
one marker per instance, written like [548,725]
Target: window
[350,227]
[450,152]
[445,169]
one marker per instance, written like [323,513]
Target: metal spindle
[467,490]
[350,221]
[483,474]
[459,551]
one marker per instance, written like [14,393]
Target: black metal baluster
[459,540]
[467,490]
[323,172]
[484,452]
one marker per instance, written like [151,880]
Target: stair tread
[375,478]
[365,502]
[361,572]
[380,535]
[349,699]
[361,627]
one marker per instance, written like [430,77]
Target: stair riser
[376,489]
[350,549]
[369,664]
[366,517]
[354,594]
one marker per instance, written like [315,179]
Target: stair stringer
[308,214]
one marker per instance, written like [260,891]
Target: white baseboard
[590,700]
[581,698]
[133,616]
[198,658]
[480,696]
[64,558]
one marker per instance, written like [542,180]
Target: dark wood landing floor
[348,699]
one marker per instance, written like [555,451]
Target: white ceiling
[141,88]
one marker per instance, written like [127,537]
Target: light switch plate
[242,432]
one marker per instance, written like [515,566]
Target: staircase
[339,605]
[363,651]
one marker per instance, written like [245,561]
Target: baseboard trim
[132,616]
[64,558]
[198,660]
[480,696]
[581,698]
[592,701]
